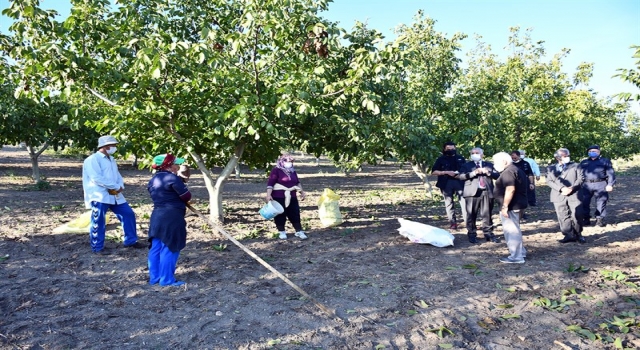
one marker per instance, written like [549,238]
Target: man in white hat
[103,186]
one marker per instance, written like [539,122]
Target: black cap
[593,147]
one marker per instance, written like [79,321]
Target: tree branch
[100,96]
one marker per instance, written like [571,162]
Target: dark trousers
[482,206]
[531,196]
[597,189]
[570,218]
[292,212]
[448,192]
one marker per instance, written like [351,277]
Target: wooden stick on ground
[562,345]
[265,264]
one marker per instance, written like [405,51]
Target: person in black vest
[526,168]
[565,180]
[478,176]
[599,178]
[447,168]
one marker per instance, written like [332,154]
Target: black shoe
[104,251]
[600,223]
[582,240]
[473,240]
[495,240]
[567,240]
[137,245]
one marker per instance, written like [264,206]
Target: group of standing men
[573,185]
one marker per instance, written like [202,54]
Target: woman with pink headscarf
[283,186]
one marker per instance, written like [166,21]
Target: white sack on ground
[421,233]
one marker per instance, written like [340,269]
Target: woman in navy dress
[167,229]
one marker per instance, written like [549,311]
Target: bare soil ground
[388,292]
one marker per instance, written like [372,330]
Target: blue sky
[597,31]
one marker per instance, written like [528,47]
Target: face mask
[498,168]
[112,150]
[288,165]
[566,160]
[449,152]
[476,157]
[593,154]
[521,157]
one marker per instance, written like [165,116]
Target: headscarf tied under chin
[280,164]
[168,161]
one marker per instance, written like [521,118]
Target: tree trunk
[33,155]
[237,169]
[421,170]
[216,213]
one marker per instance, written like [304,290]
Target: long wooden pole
[265,264]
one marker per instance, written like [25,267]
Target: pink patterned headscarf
[280,163]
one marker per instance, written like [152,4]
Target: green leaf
[618,343]
[446,345]
[508,316]
[156,73]
[504,306]
[319,70]
[273,342]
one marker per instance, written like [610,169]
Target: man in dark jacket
[565,181]
[528,171]
[511,192]
[478,176]
[599,179]
[447,168]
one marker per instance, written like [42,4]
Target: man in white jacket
[103,186]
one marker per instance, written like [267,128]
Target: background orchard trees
[528,103]
[216,80]
[632,76]
[41,124]
[422,93]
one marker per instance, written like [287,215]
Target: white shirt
[99,174]
[534,166]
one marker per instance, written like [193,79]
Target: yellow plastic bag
[329,209]
[78,225]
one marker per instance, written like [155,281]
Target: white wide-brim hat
[106,140]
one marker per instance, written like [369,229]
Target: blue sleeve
[181,189]
[611,174]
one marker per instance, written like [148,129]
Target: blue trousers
[598,190]
[162,264]
[97,230]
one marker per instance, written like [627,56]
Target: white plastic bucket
[271,210]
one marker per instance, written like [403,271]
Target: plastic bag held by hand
[421,233]
[329,209]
